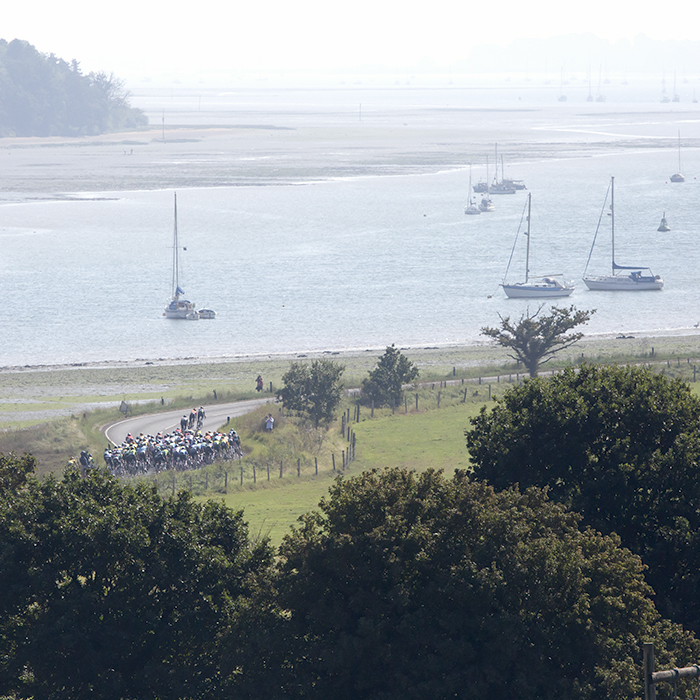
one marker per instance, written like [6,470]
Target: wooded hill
[43,95]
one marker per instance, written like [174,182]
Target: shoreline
[679,337]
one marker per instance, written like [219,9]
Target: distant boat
[615,282]
[544,287]
[678,177]
[663,226]
[483,186]
[178,308]
[486,204]
[471,208]
[500,187]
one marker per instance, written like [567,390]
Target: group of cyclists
[181,450]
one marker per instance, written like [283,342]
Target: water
[352,263]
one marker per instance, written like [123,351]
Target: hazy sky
[151,37]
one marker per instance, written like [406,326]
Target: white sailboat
[178,308]
[663,226]
[678,177]
[471,209]
[619,281]
[542,287]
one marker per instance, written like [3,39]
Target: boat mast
[176,261]
[679,151]
[612,214]
[527,249]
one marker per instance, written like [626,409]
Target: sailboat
[635,280]
[178,308]
[663,226]
[471,209]
[500,187]
[678,177]
[542,287]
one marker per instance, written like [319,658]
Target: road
[167,422]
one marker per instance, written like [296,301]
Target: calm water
[352,263]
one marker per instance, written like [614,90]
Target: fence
[653,678]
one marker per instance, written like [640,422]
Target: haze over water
[362,261]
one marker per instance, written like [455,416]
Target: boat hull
[536,291]
[179,309]
[624,283]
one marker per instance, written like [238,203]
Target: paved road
[153,423]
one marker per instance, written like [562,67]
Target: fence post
[316,465]
[649,687]
[298,467]
[333,456]
[255,475]
[281,468]
[439,392]
[416,402]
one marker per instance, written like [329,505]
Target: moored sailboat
[540,287]
[618,281]
[678,177]
[178,308]
[471,208]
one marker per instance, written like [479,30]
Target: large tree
[418,586]
[536,338]
[110,591]
[384,385]
[620,445]
[313,391]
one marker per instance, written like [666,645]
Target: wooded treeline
[43,95]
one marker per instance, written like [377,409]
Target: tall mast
[176,260]
[612,214]
[679,151]
[527,253]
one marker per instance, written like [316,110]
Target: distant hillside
[42,95]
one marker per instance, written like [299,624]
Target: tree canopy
[535,339]
[42,95]
[313,391]
[384,385]
[620,445]
[415,586]
[110,591]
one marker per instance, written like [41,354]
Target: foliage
[110,591]
[620,445]
[384,386]
[313,391]
[536,339]
[14,472]
[415,586]
[42,95]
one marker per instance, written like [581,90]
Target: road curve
[152,423]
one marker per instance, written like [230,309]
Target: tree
[384,386]
[43,95]
[110,591]
[410,585]
[536,339]
[313,391]
[620,445]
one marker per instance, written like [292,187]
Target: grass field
[53,413]
[416,440]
